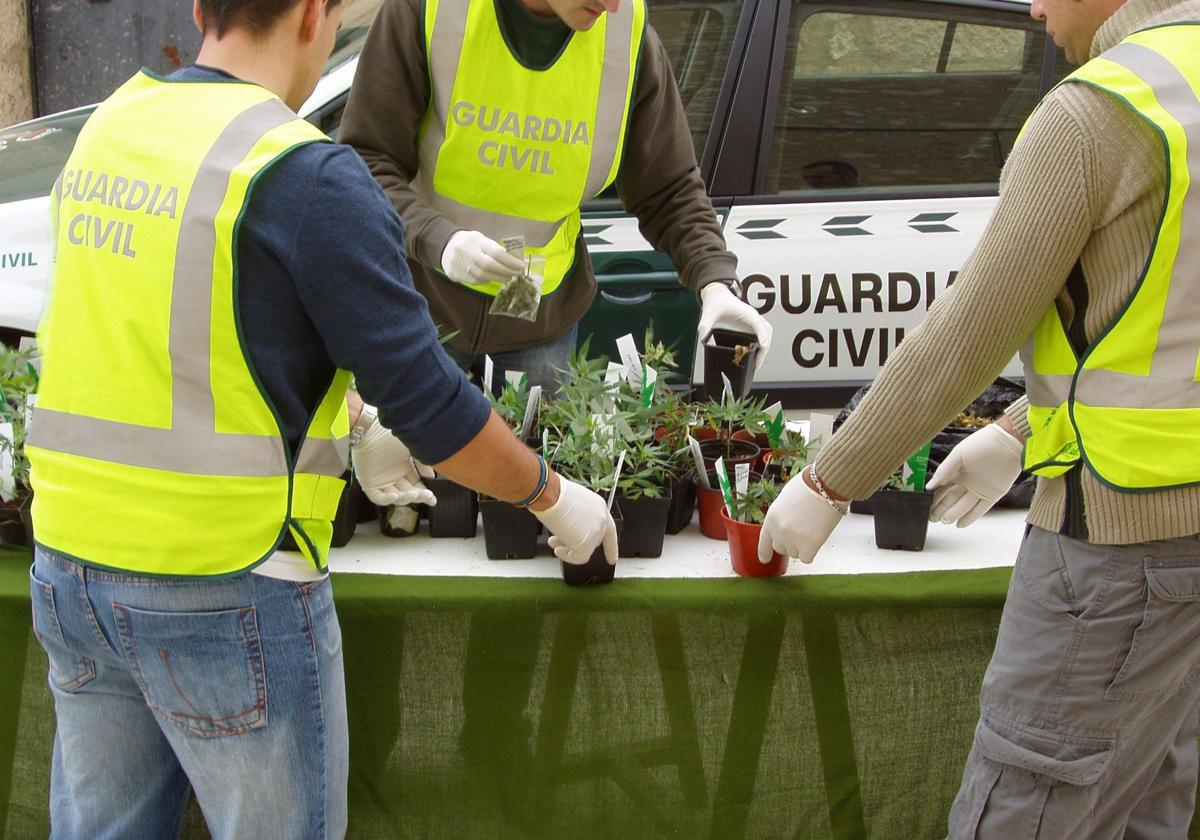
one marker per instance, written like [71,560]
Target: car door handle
[623,300]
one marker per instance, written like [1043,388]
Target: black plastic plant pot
[509,532]
[645,525]
[865,506]
[901,519]
[364,509]
[597,569]
[346,518]
[14,528]
[733,354]
[734,452]
[456,513]
[683,503]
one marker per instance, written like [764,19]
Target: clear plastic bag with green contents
[521,296]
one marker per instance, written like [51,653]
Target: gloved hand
[798,523]
[975,475]
[720,307]
[472,258]
[578,522]
[386,471]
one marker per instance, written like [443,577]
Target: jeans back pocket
[200,671]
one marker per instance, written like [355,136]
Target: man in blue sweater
[187,650]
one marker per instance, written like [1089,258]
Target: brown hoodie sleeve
[659,181]
[388,99]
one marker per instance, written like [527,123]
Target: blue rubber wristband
[543,478]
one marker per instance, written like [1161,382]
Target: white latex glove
[975,475]
[472,258]
[386,471]
[578,522]
[798,523]
[719,307]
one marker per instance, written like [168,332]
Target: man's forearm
[1036,234]
[498,465]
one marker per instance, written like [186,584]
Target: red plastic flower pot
[743,550]
[711,503]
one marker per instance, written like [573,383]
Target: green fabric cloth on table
[803,707]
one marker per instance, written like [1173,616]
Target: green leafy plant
[18,379]
[658,356]
[585,460]
[752,505]
[792,454]
[727,416]
[511,403]
[645,471]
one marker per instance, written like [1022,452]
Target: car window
[697,38]
[900,95]
[32,154]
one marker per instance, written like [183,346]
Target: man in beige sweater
[1089,706]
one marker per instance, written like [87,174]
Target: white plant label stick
[629,356]
[612,494]
[701,473]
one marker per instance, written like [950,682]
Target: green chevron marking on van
[758,229]
[932,223]
[847,226]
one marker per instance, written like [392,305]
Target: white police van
[852,150]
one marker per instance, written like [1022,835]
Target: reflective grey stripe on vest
[449,29]
[1171,383]
[192,445]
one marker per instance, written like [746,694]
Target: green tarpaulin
[802,707]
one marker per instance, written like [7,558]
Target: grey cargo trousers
[1088,712]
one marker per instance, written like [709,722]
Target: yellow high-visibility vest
[1128,406]
[513,151]
[153,447]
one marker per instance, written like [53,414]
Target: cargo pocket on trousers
[200,671]
[1163,654]
[1028,782]
[68,669]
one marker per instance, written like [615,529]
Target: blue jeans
[540,364]
[233,686]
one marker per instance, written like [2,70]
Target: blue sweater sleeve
[344,253]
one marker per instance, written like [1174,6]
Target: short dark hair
[258,16]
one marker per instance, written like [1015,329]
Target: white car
[852,150]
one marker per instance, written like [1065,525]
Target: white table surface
[992,541]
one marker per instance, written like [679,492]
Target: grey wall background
[16,90]
[86,48]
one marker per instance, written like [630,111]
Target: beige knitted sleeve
[1042,220]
